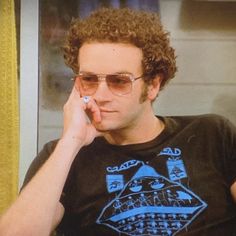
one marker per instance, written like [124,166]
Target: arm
[37,210]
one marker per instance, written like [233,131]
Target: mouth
[104,110]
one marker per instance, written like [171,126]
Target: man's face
[117,111]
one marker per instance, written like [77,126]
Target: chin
[105,126]
[101,127]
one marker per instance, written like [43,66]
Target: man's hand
[77,125]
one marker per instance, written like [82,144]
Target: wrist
[70,143]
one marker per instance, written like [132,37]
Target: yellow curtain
[9,116]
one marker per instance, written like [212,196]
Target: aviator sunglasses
[119,84]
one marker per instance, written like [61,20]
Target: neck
[143,131]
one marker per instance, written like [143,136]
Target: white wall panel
[197,99]
[28,85]
[206,61]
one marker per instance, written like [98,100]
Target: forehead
[110,57]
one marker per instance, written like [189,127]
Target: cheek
[131,105]
[133,101]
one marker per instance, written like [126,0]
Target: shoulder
[217,122]
[211,120]
[206,125]
[39,160]
[46,151]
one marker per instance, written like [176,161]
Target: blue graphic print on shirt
[174,164]
[114,183]
[150,203]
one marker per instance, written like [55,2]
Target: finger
[96,133]
[86,99]
[74,95]
[93,109]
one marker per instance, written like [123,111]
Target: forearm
[34,211]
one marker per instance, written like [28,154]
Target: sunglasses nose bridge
[102,87]
[101,77]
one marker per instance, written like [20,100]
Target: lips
[104,110]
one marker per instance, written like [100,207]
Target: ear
[154,87]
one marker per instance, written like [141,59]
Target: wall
[204,35]
[28,84]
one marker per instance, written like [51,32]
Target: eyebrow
[118,72]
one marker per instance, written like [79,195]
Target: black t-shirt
[177,184]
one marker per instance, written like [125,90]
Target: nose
[102,93]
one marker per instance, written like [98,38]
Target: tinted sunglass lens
[88,83]
[119,84]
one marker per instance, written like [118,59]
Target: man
[118,169]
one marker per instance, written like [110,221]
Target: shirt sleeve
[229,131]
[39,161]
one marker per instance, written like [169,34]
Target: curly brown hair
[140,28]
